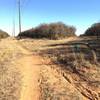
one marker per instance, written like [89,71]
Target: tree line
[52,31]
[57,30]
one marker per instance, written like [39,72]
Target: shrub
[94,30]
[3,34]
[50,31]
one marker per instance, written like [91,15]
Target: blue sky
[79,13]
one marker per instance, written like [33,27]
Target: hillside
[3,34]
[45,69]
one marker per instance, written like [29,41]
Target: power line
[24,3]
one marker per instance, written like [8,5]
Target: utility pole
[13,30]
[19,8]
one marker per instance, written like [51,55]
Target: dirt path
[29,66]
[41,78]
[41,81]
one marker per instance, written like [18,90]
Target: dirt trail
[40,81]
[29,66]
[41,78]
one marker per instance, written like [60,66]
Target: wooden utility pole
[19,7]
[13,30]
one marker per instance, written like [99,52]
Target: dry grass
[80,66]
[42,44]
[54,87]
[10,77]
[9,82]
